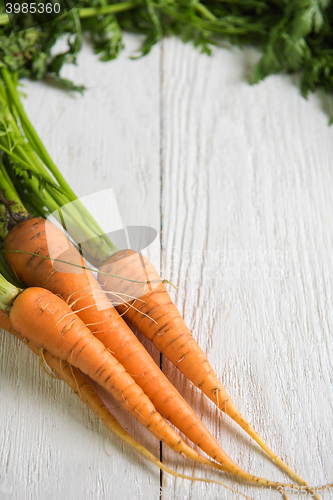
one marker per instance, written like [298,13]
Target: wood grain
[239,178]
[247,236]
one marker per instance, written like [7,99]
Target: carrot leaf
[293,36]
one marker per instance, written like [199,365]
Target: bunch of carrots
[51,300]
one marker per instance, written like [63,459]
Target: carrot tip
[167,282]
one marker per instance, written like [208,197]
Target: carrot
[57,202]
[129,274]
[78,383]
[28,249]
[48,322]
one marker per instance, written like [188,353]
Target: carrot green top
[28,165]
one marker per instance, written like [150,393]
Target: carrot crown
[8,294]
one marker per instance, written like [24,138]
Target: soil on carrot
[11,215]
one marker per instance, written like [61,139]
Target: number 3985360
[32,8]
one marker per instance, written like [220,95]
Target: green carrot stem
[4,19]
[83,227]
[4,270]
[249,3]
[205,12]
[11,207]
[107,9]
[86,12]
[8,293]
[86,268]
[54,201]
[32,134]
[217,26]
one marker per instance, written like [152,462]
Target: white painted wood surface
[240,179]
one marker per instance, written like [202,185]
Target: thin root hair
[86,268]
[45,367]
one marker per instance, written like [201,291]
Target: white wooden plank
[109,138]
[247,235]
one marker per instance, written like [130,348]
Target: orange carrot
[78,383]
[129,274]
[85,296]
[48,322]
